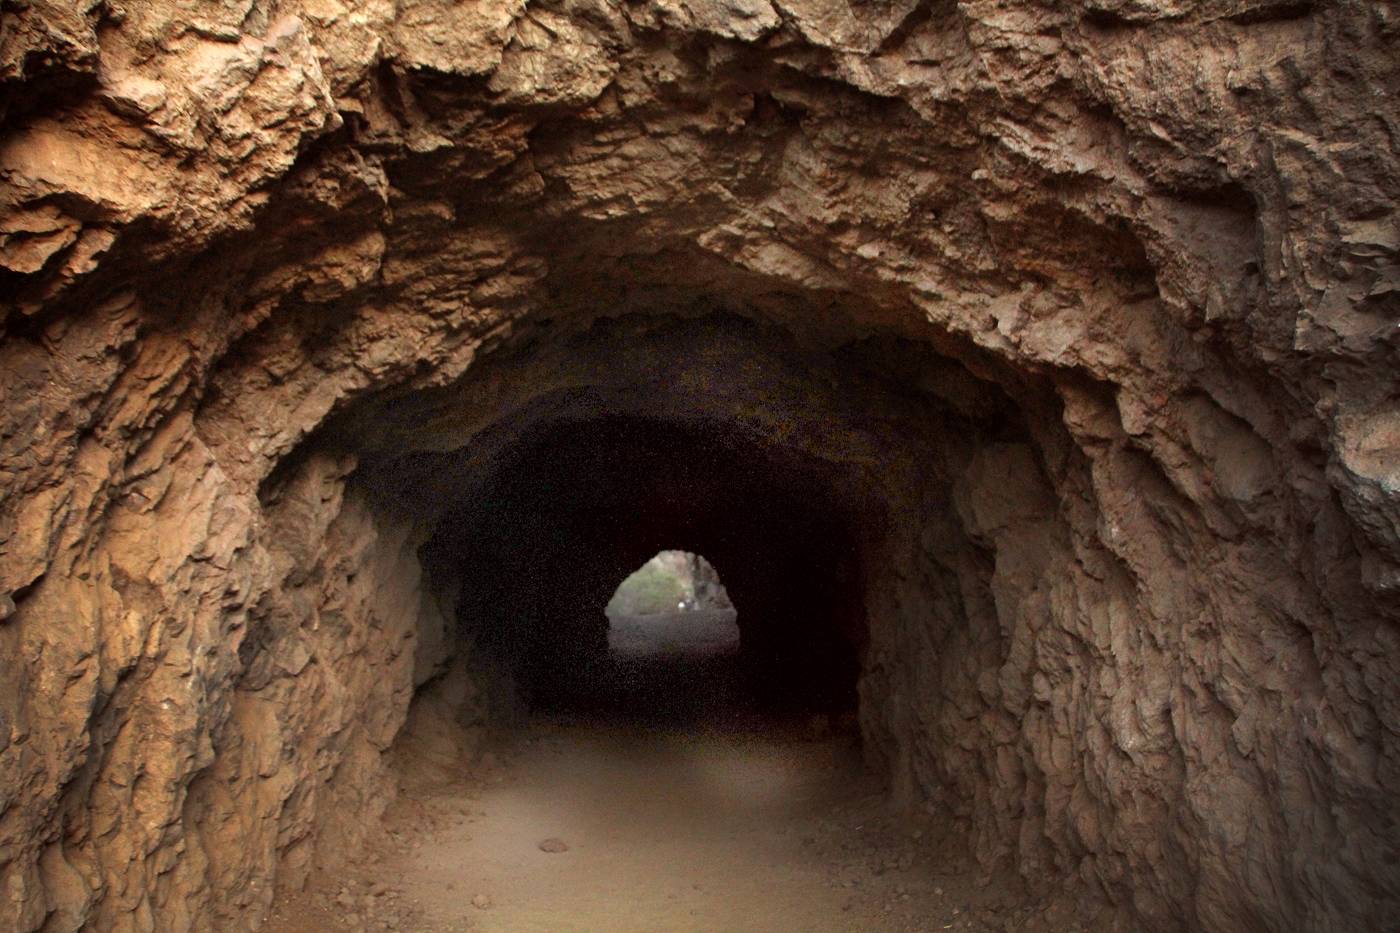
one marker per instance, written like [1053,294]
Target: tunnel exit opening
[673,605]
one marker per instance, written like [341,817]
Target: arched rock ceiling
[1170,200]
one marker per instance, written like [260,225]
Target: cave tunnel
[1026,371]
[863,498]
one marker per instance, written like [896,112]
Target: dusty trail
[667,829]
[665,832]
[679,810]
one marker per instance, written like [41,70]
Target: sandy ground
[663,829]
[664,832]
[669,807]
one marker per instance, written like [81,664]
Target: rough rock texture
[1083,318]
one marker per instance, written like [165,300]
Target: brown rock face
[1056,342]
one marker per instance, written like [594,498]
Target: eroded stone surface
[1146,639]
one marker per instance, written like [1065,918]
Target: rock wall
[1099,302]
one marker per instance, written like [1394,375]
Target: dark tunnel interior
[803,472]
[577,505]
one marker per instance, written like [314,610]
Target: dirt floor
[608,828]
